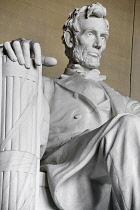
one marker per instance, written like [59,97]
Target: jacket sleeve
[48,90]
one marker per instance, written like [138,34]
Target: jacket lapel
[78,84]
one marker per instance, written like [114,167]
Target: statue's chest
[68,105]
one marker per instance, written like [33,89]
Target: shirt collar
[93,74]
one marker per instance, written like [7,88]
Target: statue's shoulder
[110,91]
[114,94]
[107,87]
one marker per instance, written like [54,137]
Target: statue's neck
[71,67]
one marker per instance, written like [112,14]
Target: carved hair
[93,10]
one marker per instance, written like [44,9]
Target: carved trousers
[99,169]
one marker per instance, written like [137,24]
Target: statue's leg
[121,152]
[78,170]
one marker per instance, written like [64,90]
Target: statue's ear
[68,36]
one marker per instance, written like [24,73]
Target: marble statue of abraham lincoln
[90,134]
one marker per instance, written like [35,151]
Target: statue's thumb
[48,61]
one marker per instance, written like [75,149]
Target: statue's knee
[127,134]
[130,120]
[130,127]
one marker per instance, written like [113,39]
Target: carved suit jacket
[73,107]
[74,111]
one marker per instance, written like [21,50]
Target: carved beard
[82,56]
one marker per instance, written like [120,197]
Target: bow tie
[93,74]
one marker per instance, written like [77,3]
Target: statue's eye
[103,38]
[89,33]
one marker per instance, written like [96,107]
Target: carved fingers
[22,50]
[18,52]
[37,53]
[26,53]
[9,51]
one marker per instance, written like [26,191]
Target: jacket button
[77,116]
[75,95]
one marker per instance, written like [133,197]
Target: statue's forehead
[91,22]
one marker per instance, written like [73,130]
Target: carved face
[91,42]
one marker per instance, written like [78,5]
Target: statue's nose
[97,43]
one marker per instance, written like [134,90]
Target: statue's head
[85,34]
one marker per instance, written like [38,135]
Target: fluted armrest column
[20,106]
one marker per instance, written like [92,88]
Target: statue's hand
[22,50]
